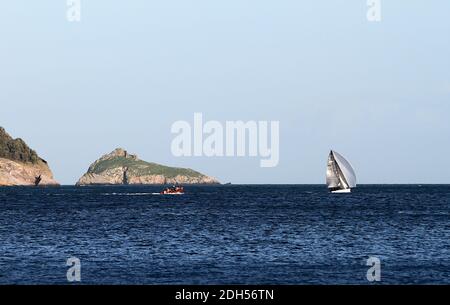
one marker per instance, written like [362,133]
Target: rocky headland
[121,168]
[20,165]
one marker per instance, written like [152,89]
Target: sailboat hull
[345,191]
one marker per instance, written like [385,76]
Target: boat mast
[342,181]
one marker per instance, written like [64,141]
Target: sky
[377,92]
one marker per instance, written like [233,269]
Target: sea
[229,234]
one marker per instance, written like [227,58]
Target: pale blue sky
[379,93]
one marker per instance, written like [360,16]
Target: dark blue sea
[225,234]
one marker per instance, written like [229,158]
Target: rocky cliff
[120,167]
[20,165]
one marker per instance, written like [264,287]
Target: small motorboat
[175,190]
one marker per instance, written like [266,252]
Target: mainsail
[340,174]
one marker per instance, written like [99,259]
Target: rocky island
[20,165]
[120,167]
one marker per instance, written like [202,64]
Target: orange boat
[175,190]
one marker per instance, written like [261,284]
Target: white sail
[340,174]
[333,181]
[347,169]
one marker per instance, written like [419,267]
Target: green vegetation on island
[16,149]
[141,168]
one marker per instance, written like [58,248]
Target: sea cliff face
[20,165]
[120,167]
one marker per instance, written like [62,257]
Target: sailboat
[341,177]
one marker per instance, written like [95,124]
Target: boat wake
[168,194]
[126,194]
